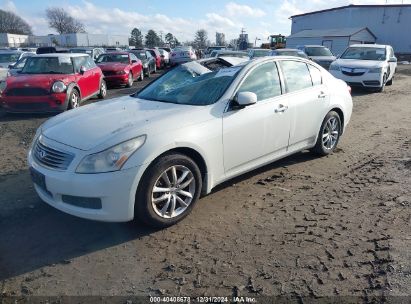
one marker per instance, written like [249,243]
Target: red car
[52,83]
[120,68]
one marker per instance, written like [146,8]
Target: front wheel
[130,80]
[141,78]
[74,100]
[168,191]
[103,90]
[328,135]
[384,81]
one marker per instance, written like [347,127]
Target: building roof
[353,6]
[338,32]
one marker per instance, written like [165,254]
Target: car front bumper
[367,80]
[108,197]
[52,103]
[116,79]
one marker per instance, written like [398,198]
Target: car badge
[26,85]
[42,154]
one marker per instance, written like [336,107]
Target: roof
[338,32]
[61,55]
[353,6]
[369,45]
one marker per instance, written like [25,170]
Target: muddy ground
[304,226]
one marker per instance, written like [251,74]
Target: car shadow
[4,116]
[34,235]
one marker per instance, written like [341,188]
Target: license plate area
[39,179]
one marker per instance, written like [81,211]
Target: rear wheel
[328,135]
[74,100]
[155,68]
[103,90]
[168,191]
[389,82]
[130,80]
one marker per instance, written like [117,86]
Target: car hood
[5,65]
[107,123]
[34,80]
[112,66]
[322,58]
[354,63]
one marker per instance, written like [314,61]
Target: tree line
[63,23]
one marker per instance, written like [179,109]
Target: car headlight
[111,159]
[58,87]
[121,72]
[334,67]
[375,70]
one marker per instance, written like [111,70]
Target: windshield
[362,53]
[10,57]
[123,58]
[318,51]
[140,55]
[48,65]
[261,53]
[190,84]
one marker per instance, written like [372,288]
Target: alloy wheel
[74,100]
[330,133]
[173,191]
[130,79]
[103,89]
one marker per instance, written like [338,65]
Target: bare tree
[13,24]
[62,22]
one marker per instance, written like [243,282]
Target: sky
[182,18]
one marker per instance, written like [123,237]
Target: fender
[70,87]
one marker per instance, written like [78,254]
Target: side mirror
[392,59]
[11,66]
[133,61]
[338,56]
[82,70]
[244,99]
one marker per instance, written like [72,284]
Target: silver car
[181,55]
[9,58]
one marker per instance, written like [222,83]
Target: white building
[13,40]
[389,23]
[81,39]
[337,40]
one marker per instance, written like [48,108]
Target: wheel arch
[341,114]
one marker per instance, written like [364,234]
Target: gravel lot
[304,226]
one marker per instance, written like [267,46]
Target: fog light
[58,102]
[82,202]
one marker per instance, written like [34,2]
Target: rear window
[318,51]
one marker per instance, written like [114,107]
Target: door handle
[281,108]
[322,95]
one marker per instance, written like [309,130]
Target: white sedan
[366,65]
[152,155]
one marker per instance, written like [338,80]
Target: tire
[155,68]
[147,72]
[389,82]
[384,82]
[182,196]
[329,134]
[141,78]
[74,100]
[130,80]
[103,90]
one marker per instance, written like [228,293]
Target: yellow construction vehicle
[276,42]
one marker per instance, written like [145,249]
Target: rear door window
[296,75]
[316,76]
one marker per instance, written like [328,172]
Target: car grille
[352,73]
[29,106]
[109,73]
[51,158]
[27,92]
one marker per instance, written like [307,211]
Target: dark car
[156,55]
[319,54]
[53,83]
[148,61]
[51,49]
[120,68]
[289,52]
